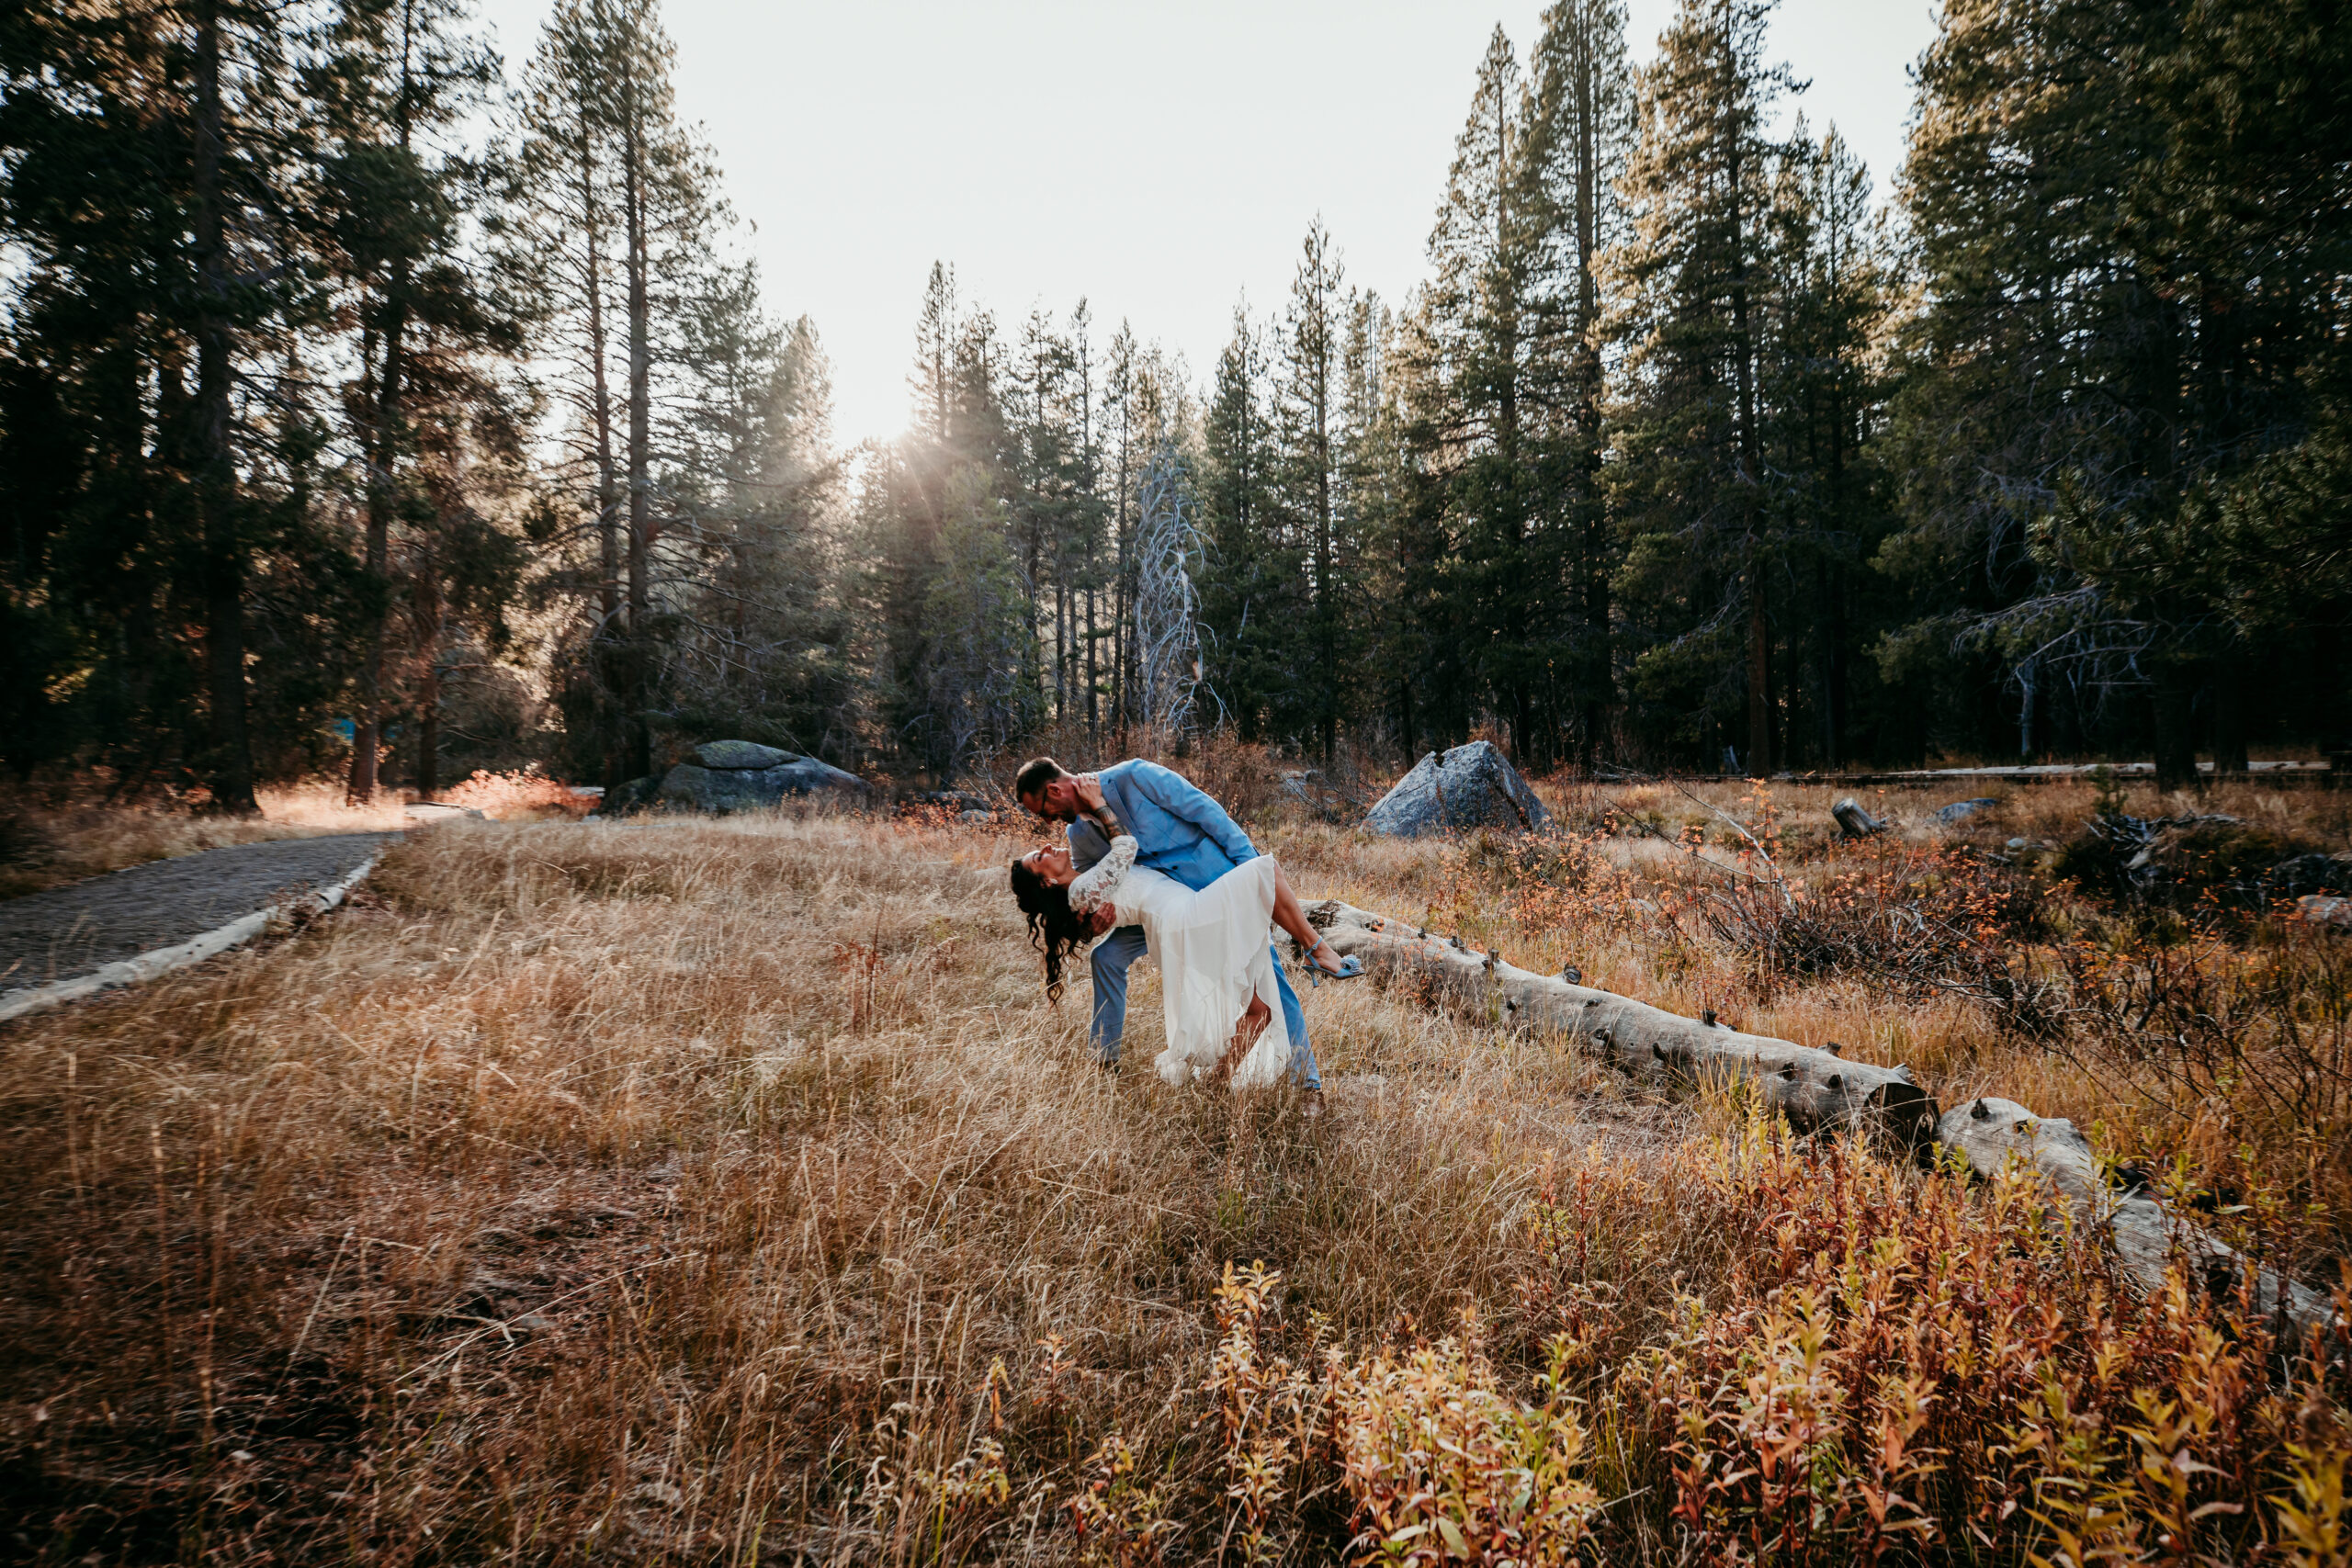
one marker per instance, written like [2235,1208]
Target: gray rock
[1470,786]
[1961,811]
[735,755]
[2306,875]
[635,796]
[691,788]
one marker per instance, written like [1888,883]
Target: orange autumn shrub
[519,795]
[1894,1366]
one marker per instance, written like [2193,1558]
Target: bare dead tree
[1166,604]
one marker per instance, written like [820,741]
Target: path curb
[179,955]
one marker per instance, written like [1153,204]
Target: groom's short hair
[1035,776]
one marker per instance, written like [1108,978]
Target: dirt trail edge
[1814,1086]
[132,925]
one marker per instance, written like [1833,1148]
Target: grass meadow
[726,1192]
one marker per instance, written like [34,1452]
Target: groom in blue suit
[1179,832]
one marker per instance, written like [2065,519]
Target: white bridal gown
[1214,955]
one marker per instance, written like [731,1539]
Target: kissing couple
[1156,866]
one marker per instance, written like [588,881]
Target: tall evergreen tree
[394,85]
[152,168]
[2129,231]
[1311,403]
[1703,549]
[1249,591]
[1821,401]
[626,213]
[1582,134]
[1485,326]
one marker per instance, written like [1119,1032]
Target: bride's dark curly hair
[1055,929]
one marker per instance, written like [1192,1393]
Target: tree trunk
[1751,480]
[382,454]
[641,441]
[1759,676]
[428,729]
[428,694]
[2176,693]
[1812,1088]
[2232,691]
[1833,667]
[380,458]
[608,671]
[1597,680]
[1853,822]
[230,768]
[366,734]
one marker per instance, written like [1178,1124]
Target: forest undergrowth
[726,1192]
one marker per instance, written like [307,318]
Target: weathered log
[2324,911]
[1814,1087]
[1853,822]
[2144,1235]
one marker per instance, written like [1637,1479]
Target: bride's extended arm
[1098,884]
[1091,796]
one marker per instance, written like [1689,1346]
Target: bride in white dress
[1216,971]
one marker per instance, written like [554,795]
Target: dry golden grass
[726,1192]
[779,1103]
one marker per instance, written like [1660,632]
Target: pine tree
[1390,517]
[765,644]
[564,244]
[154,163]
[1702,553]
[394,85]
[1504,370]
[1143,406]
[1582,134]
[1821,401]
[1481,323]
[629,206]
[2126,228]
[1311,392]
[1250,600]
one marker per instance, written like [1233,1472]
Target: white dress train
[1215,952]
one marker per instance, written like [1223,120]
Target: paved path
[70,931]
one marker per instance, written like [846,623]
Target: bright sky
[1159,160]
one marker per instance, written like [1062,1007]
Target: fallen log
[1988,1132]
[1811,1087]
[1816,1087]
[1854,822]
[2324,911]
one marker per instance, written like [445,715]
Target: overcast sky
[1158,160]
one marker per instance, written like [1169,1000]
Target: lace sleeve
[1100,883]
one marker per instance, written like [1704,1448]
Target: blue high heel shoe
[1350,966]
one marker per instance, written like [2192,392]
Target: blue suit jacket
[1178,830]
